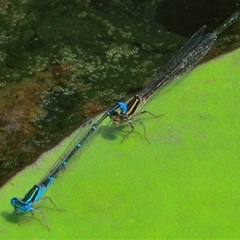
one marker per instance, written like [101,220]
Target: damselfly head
[20,206]
[116,120]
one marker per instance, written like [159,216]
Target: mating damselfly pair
[124,112]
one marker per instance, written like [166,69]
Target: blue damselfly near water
[124,112]
[34,195]
[185,59]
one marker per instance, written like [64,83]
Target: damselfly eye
[13,201]
[26,207]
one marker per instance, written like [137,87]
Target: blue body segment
[32,196]
[123,107]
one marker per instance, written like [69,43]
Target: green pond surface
[183,183]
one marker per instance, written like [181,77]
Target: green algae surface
[183,184]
